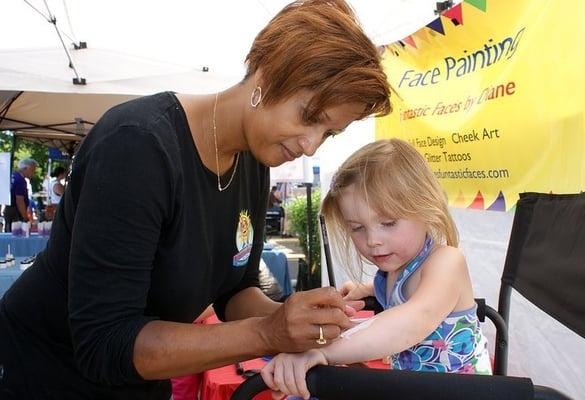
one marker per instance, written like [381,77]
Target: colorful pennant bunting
[455,13]
[437,26]
[480,4]
[478,202]
[421,35]
[410,40]
[499,204]
[459,200]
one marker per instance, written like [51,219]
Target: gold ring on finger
[321,339]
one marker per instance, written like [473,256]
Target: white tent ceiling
[214,33]
[140,47]
[39,101]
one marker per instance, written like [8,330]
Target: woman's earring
[256,96]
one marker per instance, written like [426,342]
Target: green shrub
[297,215]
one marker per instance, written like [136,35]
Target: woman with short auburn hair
[163,215]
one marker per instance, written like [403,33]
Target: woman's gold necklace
[221,189]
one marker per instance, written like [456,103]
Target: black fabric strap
[339,383]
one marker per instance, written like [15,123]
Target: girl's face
[387,242]
[279,133]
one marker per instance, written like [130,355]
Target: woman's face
[279,133]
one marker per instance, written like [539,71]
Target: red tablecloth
[220,383]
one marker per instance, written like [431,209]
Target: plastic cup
[16,228]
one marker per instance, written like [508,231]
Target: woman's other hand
[297,324]
[285,374]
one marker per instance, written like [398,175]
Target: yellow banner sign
[492,93]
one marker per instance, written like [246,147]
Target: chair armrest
[547,393]
[501,345]
[340,383]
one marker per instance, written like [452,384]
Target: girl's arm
[390,332]
[401,327]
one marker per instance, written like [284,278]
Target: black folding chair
[273,221]
[545,262]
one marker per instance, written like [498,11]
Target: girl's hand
[353,291]
[346,288]
[285,374]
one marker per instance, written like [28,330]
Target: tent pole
[78,80]
[309,226]
[12,151]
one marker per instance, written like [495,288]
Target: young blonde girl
[385,207]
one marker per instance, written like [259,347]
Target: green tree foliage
[297,214]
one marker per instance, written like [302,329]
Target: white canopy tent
[216,34]
[184,46]
[39,101]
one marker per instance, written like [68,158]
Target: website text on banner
[492,93]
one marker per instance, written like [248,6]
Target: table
[9,275]
[21,246]
[25,247]
[278,265]
[220,383]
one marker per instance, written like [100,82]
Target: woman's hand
[296,325]
[285,374]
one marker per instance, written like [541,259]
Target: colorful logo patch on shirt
[244,239]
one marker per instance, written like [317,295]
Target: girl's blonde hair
[395,180]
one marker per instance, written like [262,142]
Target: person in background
[57,184]
[55,189]
[19,194]
[274,198]
[164,213]
[274,204]
[386,208]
